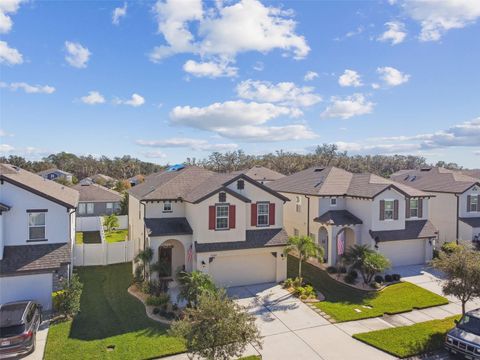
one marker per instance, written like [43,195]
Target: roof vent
[406,178]
[319,169]
[425,169]
[413,178]
[175,167]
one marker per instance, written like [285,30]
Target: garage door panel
[36,287]
[404,252]
[243,269]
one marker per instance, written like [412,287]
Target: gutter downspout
[70,266]
[458,215]
[308,215]
[144,226]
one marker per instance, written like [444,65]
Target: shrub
[297,282]
[68,300]
[156,311]
[146,287]
[309,291]
[138,275]
[353,274]
[332,270]
[174,307]
[160,300]
[375,285]
[342,270]
[288,283]
[449,247]
[349,279]
[396,277]
[56,299]
[378,279]
[299,291]
[388,278]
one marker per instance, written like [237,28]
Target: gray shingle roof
[53,170]
[36,184]
[96,193]
[254,239]
[436,179]
[168,226]
[332,181]
[261,173]
[414,229]
[473,221]
[34,258]
[338,217]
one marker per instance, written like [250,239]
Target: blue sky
[167,80]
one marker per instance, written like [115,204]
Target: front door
[165,258]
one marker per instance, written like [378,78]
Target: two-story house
[226,225]
[37,233]
[339,209]
[455,209]
[54,174]
[261,174]
[97,200]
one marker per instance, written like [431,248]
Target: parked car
[464,339]
[19,322]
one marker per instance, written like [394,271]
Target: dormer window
[240,184]
[333,201]
[167,206]
[414,208]
[222,197]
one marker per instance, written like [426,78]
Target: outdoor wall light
[203,263]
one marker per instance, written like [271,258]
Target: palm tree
[305,248]
[111,222]
[194,284]
[355,255]
[145,257]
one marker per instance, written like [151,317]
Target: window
[221,218]
[109,206]
[389,209]
[333,201]
[413,207]
[36,226]
[167,206]
[81,208]
[222,197]
[262,214]
[474,203]
[298,204]
[89,208]
[240,184]
[296,232]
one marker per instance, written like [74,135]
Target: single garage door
[36,287]
[243,269]
[404,252]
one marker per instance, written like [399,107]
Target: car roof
[12,313]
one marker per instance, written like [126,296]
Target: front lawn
[411,340]
[112,324]
[344,303]
[116,235]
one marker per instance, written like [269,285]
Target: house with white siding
[226,225]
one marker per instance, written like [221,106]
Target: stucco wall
[155,209]
[443,215]
[473,191]
[135,223]
[378,224]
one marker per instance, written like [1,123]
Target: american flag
[341,243]
[190,254]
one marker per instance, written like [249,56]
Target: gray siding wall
[100,209]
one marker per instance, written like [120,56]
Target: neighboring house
[97,200]
[455,209]
[37,232]
[261,174]
[54,174]
[135,180]
[226,225]
[339,209]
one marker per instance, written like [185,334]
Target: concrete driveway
[292,330]
[41,342]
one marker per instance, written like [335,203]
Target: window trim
[222,217]
[32,212]
[472,197]
[80,205]
[93,208]
[333,199]
[267,204]
[385,210]
[414,208]
[167,210]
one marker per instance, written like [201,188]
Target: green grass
[79,237]
[342,300]
[116,235]
[411,340]
[109,316]
[88,237]
[251,357]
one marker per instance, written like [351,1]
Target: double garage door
[37,287]
[240,270]
[404,252]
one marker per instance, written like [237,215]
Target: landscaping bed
[410,340]
[116,235]
[111,323]
[345,303]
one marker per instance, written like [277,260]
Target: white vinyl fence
[102,254]
[94,223]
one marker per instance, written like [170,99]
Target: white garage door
[36,287]
[243,269]
[404,252]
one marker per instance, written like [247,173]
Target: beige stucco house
[455,208]
[338,209]
[226,225]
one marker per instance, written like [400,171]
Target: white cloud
[119,13]
[30,89]
[350,34]
[29,152]
[284,93]
[7,8]
[93,97]
[3,133]
[193,144]
[5,148]
[77,55]
[438,17]
[477,152]
[310,75]
[392,76]
[209,69]
[136,100]
[375,86]
[350,78]
[155,154]
[395,33]
[8,55]
[225,30]
[377,148]
[259,66]
[269,133]
[348,107]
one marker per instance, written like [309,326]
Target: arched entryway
[323,242]
[345,239]
[171,256]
